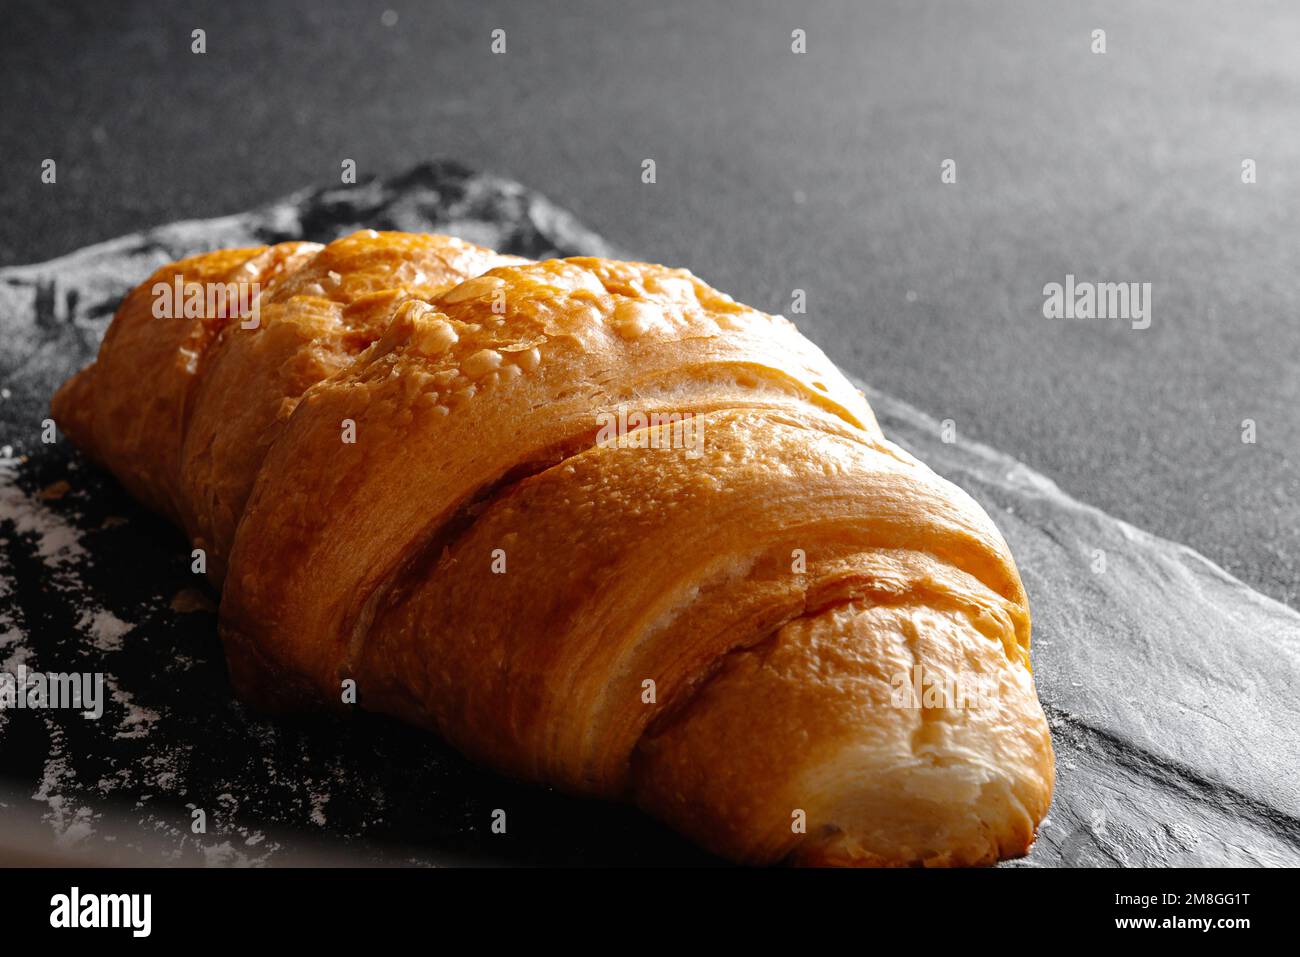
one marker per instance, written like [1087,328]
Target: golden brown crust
[128,409]
[875,784]
[188,438]
[473,396]
[411,481]
[313,324]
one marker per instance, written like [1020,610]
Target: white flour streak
[58,543]
[138,721]
[104,628]
[71,822]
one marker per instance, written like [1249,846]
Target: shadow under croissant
[354,788]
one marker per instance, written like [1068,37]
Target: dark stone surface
[1168,683]
[1116,167]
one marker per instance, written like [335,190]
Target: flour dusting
[104,628]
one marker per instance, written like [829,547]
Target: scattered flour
[58,542]
[318,801]
[71,821]
[137,721]
[104,628]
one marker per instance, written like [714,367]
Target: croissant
[599,526]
